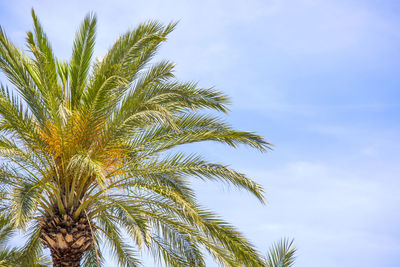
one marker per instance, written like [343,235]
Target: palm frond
[16,66]
[44,72]
[281,254]
[81,58]
[196,166]
[122,251]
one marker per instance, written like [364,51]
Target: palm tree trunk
[62,258]
[67,239]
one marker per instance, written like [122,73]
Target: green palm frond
[195,166]
[281,254]
[81,59]
[123,252]
[43,71]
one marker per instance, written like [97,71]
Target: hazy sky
[319,79]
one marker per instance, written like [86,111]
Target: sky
[318,78]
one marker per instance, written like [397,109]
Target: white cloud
[331,211]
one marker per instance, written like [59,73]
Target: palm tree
[281,254]
[89,153]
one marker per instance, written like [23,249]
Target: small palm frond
[281,254]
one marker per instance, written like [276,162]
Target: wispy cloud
[331,210]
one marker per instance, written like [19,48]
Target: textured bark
[66,238]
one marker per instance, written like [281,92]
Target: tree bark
[66,238]
[63,258]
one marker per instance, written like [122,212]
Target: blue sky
[319,79]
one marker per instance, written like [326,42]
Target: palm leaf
[281,254]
